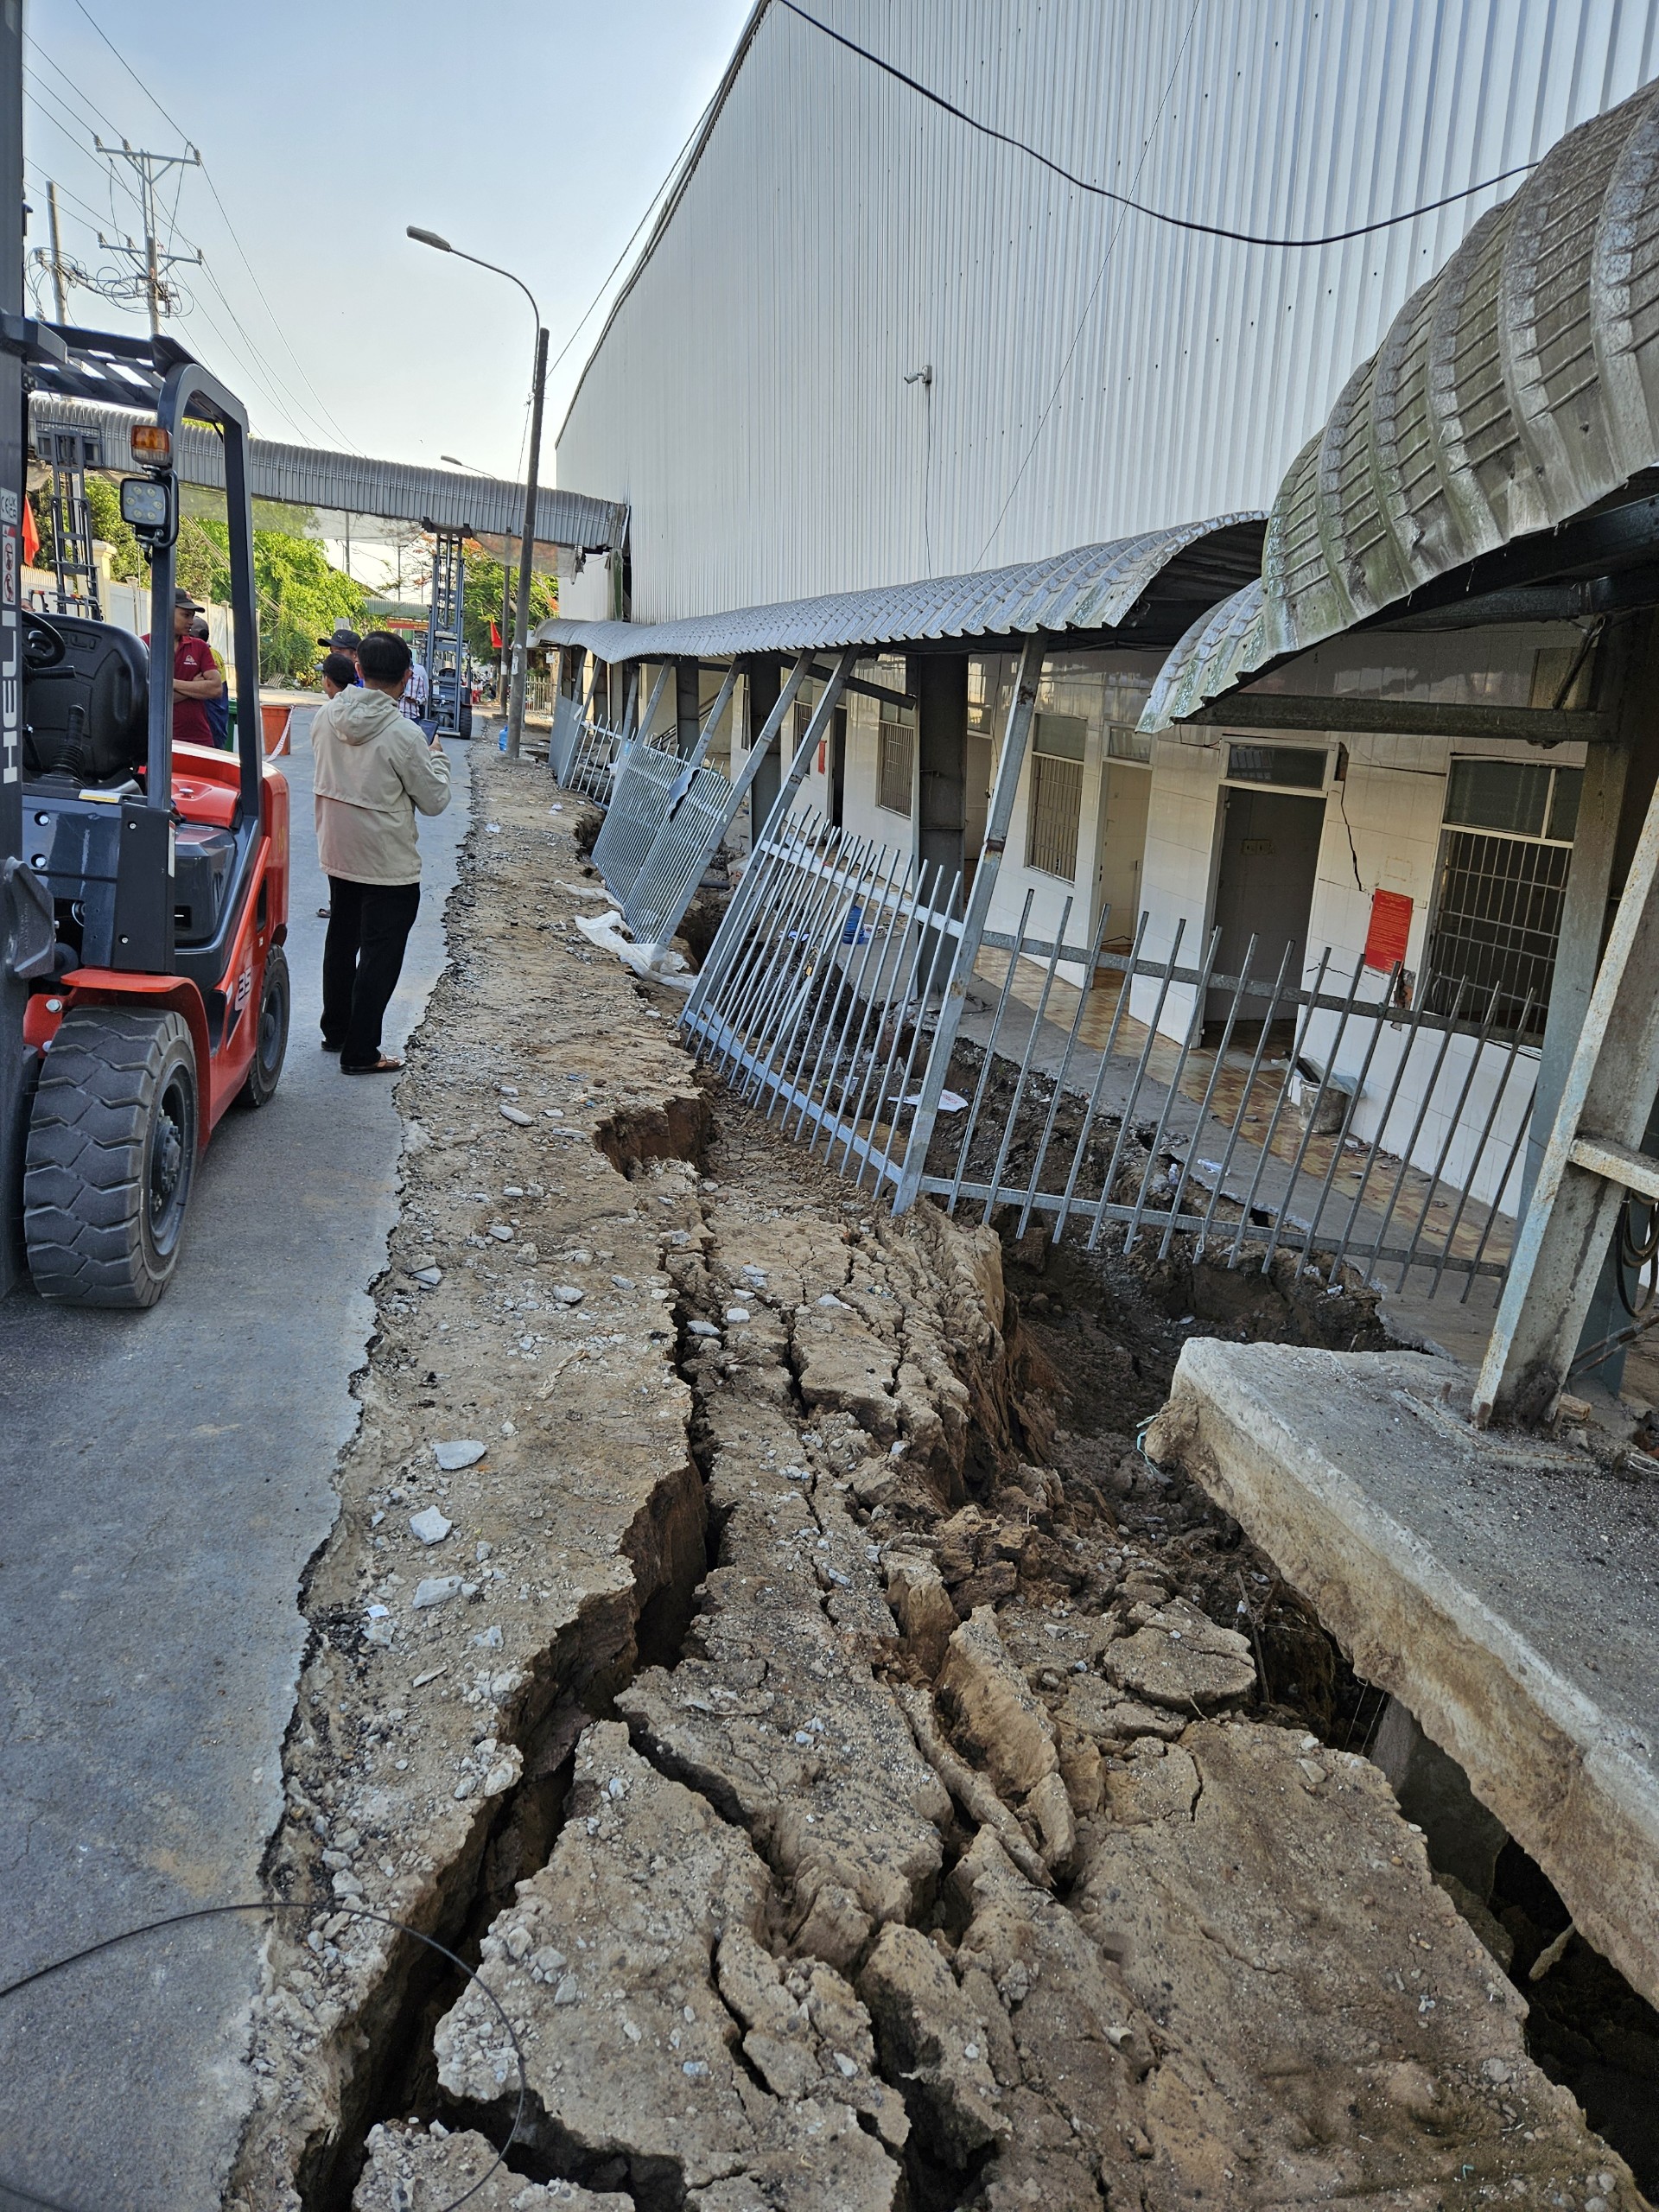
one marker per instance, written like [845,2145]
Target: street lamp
[455,461]
[538,384]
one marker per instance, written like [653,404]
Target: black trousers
[362,958]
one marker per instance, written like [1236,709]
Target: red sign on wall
[1391,930]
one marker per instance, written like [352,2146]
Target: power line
[1122,199]
[236,241]
[1089,304]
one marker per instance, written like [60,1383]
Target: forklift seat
[89,717]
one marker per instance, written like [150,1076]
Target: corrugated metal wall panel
[1095,373]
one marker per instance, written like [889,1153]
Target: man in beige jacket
[374,773]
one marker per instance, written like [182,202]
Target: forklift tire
[112,1157]
[270,1042]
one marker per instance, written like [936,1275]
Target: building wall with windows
[1476,834]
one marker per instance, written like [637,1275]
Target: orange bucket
[273,717]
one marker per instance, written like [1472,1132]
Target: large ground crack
[869,1802]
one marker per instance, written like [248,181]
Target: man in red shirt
[196,677]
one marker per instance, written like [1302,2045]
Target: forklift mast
[446,643]
[70,453]
[17,914]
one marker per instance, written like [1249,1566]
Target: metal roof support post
[1015,740]
[1619,780]
[650,722]
[687,701]
[764,675]
[1592,1159]
[631,701]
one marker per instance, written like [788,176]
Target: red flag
[31,535]
[495,635]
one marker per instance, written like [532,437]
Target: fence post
[1016,738]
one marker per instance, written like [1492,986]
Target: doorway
[1269,858]
[1125,803]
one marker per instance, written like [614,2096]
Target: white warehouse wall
[1095,373]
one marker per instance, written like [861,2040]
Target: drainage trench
[944,1809]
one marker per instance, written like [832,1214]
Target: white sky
[534,135]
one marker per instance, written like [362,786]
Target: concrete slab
[1506,1589]
[166,1477]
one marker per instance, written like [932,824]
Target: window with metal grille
[1504,858]
[1057,747]
[895,767]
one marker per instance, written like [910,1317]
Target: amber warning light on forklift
[152,446]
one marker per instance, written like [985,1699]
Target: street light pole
[520,642]
[526,549]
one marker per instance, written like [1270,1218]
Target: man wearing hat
[196,677]
[345,641]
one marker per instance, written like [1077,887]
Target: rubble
[836,1775]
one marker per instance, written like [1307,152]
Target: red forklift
[144,988]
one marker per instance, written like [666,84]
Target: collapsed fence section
[814,1001]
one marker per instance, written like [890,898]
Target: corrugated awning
[309,477]
[1092,587]
[1516,389]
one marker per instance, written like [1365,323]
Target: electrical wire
[1123,199]
[11,2189]
[1094,294]
[209,180]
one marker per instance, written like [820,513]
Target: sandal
[381,1066]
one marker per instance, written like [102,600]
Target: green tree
[301,598]
[483,600]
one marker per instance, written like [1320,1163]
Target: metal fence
[1058,1093]
[592,761]
[1254,1113]
[646,777]
[813,998]
[566,732]
[1038,1076]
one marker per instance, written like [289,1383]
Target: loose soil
[856,1776]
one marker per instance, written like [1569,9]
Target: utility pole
[149,257]
[526,551]
[57,251]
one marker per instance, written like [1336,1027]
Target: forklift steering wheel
[44,645]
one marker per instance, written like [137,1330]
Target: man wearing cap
[196,677]
[343,640]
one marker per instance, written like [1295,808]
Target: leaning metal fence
[592,761]
[1113,1095]
[817,1005]
[646,777]
[565,734]
[1254,1113]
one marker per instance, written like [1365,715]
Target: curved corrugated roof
[1515,389]
[1092,587]
[309,477]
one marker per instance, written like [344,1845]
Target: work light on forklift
[152,446]
[145,505]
